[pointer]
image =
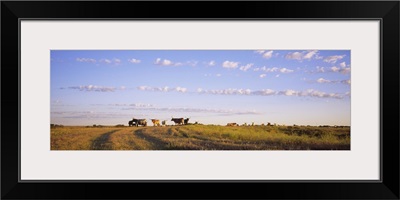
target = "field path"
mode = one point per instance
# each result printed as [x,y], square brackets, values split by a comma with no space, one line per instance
[103,142]
[126,139]
[156,143]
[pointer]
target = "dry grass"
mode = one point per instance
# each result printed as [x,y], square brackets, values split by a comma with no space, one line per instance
[200,137]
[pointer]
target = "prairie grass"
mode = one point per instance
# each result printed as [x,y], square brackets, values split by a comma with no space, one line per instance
[201,137]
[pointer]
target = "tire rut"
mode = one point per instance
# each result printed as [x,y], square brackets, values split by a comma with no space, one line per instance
[157,144]
[103,142]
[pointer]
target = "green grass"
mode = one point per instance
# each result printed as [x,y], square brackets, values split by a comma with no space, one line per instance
[201,137]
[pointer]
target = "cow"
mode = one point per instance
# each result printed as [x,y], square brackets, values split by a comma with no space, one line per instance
[164,123]
[137,122]
[156,122]
[232,124]
[178,121]
[185,121]
[131,123]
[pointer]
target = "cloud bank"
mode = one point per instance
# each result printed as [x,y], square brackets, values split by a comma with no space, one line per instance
[304,55]
[93,88]
[162,89]
[270,92]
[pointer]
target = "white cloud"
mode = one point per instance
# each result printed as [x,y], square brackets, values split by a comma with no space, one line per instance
[117,61]
[89,60]
[262,75]
[134,61]
[230,64]
[138,105]
[195,110]
[315,93]
[310,54]
[192,63]
[284,70]
[322,80]
[343,64]
[218,75]
[162,89]
[348,82]
[148,88]
[277,76]
[166,62]
[335,69]
[290,92]
[333,59]
[318,57]
[180,89]
[93,88]
[211,63]
[178,64]
[304,55]
[345,70]
[88,114]
[106,61]
[320,69]
[229,91]
[274,69]
[265,54]
[294,56]
[246,67]
[259,51]
[163,62]
[268,54]
[264,92]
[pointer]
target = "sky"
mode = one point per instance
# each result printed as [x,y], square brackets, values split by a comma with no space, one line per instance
[110,87]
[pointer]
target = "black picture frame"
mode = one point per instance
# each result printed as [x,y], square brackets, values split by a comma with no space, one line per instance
[386,11]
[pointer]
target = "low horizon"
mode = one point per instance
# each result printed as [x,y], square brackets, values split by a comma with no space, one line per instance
[151,124]
[286,87]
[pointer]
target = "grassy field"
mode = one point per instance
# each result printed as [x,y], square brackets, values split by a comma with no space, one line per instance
[200,137]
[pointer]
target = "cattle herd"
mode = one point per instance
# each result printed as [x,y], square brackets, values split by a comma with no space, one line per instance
[178,121]
[185,121]
[156,122]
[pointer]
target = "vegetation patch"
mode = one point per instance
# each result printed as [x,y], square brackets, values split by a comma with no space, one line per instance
[201,137]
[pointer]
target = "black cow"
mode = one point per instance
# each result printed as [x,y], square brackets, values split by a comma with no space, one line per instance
[185,121]
[137,122]
[178,121]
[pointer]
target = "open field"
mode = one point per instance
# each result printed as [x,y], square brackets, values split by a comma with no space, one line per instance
[200,137]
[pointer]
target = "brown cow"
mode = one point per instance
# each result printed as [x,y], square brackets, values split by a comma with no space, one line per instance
[232,124]
[156,122]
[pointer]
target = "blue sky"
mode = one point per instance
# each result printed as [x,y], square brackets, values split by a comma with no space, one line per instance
[109,87]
